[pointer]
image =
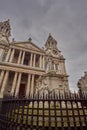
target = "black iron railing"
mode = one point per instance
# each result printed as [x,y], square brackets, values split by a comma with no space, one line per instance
[49,112]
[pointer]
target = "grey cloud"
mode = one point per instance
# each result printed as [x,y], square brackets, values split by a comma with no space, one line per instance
[65,19]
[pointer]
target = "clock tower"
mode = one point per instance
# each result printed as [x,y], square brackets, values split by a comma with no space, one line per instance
[51,43]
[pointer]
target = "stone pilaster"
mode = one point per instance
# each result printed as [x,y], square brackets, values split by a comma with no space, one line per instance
[54,67]
[64,67]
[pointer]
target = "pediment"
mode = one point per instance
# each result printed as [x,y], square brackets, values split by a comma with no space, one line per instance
[28,45]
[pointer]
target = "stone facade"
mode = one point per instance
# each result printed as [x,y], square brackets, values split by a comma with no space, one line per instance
[26,69]
[82,83]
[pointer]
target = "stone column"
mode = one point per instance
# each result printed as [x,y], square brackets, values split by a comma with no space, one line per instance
[32,86]
[1,53]
[18,84]
[8,55]
[40,61]
[23,57]
[28,86]
[14,84]
[31,59]
[19,58]
[59,68]
[4,82]
[12,55]
[64,67]
[43,63]
[34,60]
[2,76]
[55,67]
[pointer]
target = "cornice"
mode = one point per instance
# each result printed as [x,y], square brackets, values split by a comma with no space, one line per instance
[20,68]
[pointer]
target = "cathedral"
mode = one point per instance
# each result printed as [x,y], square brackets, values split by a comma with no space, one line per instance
[26,69]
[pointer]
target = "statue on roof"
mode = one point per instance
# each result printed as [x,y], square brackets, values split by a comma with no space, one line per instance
[4,32]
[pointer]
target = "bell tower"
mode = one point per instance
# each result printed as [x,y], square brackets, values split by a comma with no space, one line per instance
[55,78]
[51,43]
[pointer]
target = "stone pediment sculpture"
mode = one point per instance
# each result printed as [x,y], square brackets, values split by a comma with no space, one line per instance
[48,84]
[4,32]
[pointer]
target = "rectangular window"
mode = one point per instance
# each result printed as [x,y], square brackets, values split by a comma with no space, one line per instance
[25,62]
[16,54]
[26,58]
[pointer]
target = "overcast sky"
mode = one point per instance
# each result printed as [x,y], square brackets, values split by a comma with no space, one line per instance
[66,20]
